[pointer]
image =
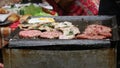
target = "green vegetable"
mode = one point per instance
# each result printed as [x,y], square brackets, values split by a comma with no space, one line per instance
[70,33]
[21,12]
[31,9]
[34,11]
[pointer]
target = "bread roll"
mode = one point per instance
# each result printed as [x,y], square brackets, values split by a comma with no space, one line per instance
[3,11]
[13,17]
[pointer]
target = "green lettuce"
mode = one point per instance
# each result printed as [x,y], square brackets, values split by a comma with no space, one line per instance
[35,11]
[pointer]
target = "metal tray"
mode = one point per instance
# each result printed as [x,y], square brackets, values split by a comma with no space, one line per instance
[81,22]
[5,23]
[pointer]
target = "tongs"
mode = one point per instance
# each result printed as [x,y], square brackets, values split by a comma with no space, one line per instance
[12,34]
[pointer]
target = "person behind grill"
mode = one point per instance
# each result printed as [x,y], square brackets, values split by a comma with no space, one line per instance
[71,7]
[75,7]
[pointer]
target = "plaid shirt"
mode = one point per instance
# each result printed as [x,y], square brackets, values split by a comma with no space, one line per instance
[79,7]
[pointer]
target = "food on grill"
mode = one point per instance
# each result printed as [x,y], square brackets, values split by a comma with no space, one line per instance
[61,30]
[40,20]
[85,36]
[68,29]
[50,34]
[63,24]
[48,28]
[95,31]
[69,33]
[3,11]
[28,26]
[29,33]
[37,33]
[38,23]
[24,18]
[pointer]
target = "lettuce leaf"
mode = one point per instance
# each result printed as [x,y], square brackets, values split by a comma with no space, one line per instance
[35,11]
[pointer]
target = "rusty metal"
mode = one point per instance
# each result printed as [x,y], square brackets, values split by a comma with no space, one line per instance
[27,58]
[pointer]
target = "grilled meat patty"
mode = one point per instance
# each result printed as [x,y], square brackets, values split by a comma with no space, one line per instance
[95,31]
[29,33]
[37,33]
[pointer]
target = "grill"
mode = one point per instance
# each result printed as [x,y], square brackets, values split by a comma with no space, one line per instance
[55,53]
[81,22]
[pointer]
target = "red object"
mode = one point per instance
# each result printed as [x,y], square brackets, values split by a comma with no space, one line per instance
[52,12]
[14,25]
